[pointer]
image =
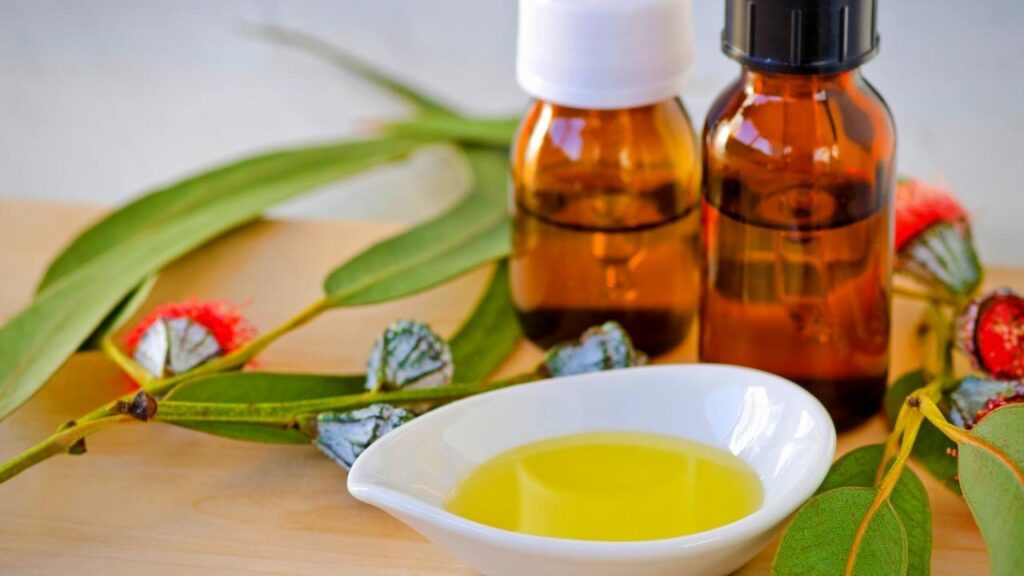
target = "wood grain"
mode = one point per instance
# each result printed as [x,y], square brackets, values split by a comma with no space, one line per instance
[155,500]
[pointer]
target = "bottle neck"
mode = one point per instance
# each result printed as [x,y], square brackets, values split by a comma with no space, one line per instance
[798,85]
[605,112]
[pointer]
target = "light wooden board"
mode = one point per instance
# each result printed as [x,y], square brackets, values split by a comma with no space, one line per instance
[156,500]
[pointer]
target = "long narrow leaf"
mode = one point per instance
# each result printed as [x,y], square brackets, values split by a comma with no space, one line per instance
[495,132]
[346,61]
[156,209]
[35,342]
[491,333]
[247,387]
[121,313]
[471,234]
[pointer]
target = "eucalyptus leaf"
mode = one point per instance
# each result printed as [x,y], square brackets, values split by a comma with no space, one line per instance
[490,334]
[349,63]
[119,253]
[819,541]
[122,313]
[993,483]
[492,132]
[155,210]
[473,233]
[932,449]
[909,500]
[250,387]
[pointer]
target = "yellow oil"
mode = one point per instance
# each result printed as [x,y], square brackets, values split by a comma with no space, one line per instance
[613,486]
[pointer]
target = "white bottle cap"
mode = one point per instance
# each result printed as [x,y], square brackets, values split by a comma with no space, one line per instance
[604,54]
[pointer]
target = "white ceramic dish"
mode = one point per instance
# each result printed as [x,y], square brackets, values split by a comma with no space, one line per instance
[771,423]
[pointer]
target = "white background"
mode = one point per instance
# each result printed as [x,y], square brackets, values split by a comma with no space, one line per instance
[100,100]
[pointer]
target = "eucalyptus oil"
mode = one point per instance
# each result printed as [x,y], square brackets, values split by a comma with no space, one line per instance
[611,486]
[605,173]
[799,169]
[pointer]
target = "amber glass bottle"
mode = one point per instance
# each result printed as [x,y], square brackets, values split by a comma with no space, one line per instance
[798,177]
[606,173]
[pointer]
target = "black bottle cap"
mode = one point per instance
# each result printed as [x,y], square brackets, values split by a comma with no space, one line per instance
[800,36]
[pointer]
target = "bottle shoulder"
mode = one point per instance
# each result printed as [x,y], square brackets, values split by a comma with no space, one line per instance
[829,124]
[634,138]
[567,163]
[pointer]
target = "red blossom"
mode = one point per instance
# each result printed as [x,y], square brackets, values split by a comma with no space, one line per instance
[992,334]
[220,317]
[919,206]
[997,402]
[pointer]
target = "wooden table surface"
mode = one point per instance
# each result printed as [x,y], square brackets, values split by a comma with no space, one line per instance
[152,499]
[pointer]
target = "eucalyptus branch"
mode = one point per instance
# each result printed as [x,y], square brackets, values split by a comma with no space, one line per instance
[885,487]
[59,443]
[249,350]
[111,413]
[927,296]
[230,361]
[289,414]
[286,414]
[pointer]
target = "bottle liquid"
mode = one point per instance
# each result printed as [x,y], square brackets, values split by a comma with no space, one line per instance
[605,172]
[798,180]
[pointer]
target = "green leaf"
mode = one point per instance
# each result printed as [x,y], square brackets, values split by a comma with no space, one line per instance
[249,387]
[473,233]
[119,253]
[151,212]
[490,334]
[909,500]
[993,483]
[492,132]
[346,61]
[122,313]
[821,536]
[932,448]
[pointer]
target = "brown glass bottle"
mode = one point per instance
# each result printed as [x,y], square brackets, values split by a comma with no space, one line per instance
[798,176]
[606,222]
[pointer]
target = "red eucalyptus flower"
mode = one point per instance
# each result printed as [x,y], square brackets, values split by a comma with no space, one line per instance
[998,402]
[992,334]
[933,238]
[177,337]
[974,398]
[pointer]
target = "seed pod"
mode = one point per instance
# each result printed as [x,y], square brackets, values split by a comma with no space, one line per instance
[343,436]
[976,397]
[177,337]
[174,346]
[603,347]
[409,355]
